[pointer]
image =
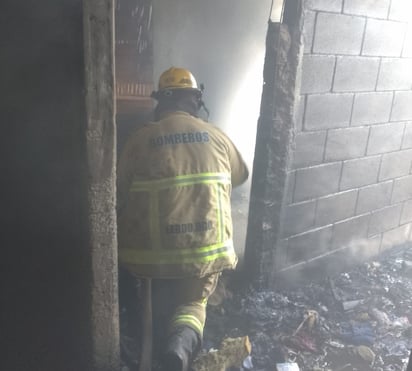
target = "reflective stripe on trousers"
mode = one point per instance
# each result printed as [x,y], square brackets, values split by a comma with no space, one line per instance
[192,315]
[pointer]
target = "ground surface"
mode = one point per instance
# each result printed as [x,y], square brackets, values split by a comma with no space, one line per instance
[357,320]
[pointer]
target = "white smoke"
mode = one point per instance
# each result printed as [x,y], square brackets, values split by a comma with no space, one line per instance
[223,44]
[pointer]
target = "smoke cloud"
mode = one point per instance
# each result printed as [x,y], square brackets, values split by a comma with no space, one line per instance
[223,44]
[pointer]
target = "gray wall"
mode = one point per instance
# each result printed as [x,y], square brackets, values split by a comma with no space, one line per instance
[350,180]
[58,265]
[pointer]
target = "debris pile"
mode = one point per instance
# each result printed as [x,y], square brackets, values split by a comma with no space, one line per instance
[357,321]
[232,353]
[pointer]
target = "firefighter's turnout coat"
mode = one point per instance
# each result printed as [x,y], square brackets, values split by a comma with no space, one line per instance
[175,178]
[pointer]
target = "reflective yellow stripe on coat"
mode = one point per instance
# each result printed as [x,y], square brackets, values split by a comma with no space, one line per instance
[178,256]
[198,261]
[181,180]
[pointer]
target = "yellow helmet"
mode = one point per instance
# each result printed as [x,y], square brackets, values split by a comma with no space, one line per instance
[177,78]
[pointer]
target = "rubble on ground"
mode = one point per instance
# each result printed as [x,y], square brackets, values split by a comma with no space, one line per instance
[359,320]
[231,353]
[356,321]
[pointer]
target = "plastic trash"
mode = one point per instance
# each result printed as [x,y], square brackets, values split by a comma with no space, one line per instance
[358,333]
[287,366]
[380,316]
[247,363]
[351,304]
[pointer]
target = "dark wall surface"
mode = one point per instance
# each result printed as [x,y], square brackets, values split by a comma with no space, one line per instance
[46,278]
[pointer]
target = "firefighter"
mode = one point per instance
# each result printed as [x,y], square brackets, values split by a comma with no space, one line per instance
[175,177]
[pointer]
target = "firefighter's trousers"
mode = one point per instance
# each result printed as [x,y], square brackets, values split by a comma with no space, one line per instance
[181,302]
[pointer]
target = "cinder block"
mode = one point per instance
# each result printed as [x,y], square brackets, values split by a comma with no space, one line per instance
[400,10]
[371,108]
[407,44]
[407,136]
[310,147]
[356,74]
[402,106]
[383,38]
[369,8]
[308,30]
[317,181]
[336,207]
[328,111]
[325,5]
[385,138]
[374,197]
[395,74]
[347,143]
[384,219]
[396,237]
[402,189]
[298,218]
[360,172]
[350,231]
[406,215]
[317,74]
[395,164]
[338,34]
[309,245]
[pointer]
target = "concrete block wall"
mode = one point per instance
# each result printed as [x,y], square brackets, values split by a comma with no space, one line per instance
[350,178]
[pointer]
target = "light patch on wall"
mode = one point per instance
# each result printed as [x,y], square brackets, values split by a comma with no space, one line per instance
[401,10]
[406,69]
[408,11]
[276,13]
[241,119]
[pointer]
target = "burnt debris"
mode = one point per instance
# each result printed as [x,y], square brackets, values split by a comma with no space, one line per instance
[357,320]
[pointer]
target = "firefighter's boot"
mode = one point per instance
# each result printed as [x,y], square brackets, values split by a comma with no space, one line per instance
[181,348]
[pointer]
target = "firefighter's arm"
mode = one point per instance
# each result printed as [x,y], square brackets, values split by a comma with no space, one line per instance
[239,169]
